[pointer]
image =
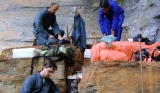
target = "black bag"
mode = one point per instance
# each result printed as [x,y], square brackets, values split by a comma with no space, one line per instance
[64,41]
[52,41]
[145,54]
[153,57]
[146,40]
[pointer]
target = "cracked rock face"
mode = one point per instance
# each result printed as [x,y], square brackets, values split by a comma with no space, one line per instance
[119,77]
[141,17]
[13,71]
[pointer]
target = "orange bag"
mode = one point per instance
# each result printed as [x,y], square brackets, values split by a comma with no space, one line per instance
[127,47]
[95,50]
[112,55]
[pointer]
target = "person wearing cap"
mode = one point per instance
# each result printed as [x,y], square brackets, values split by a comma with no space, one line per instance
[40,82]
[45,19]
[111,17]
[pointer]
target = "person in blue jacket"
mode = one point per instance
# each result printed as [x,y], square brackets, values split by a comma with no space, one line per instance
[40,82]
[45,19]
[111,17]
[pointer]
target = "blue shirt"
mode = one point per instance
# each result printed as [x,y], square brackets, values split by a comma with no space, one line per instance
[112,15]
[79,32]
[43,21]
[35,84]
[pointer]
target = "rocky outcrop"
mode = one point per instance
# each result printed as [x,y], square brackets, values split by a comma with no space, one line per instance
[13,71]
[119,77]
[16,17]
[98,77]
[141,17]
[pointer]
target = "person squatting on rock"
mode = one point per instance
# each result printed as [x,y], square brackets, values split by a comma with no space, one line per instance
[45,19]
[111,17]
[40,82]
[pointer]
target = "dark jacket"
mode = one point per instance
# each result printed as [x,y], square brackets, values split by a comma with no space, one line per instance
[43,21]
[79,33]
[34,84]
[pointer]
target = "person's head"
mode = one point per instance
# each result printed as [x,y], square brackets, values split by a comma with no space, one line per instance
[104,4]
[53,7]
[48,68]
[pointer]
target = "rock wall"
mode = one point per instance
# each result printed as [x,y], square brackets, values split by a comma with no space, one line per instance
[16,19]
[99,77]
[119,77]
[142,17]
[14,71]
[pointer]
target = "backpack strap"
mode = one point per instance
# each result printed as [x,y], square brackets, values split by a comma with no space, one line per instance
[145,53]
[131,55]
[32,63]
[57,49]
[152,55]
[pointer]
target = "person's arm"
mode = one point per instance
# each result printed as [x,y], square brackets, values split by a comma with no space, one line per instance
[38,24]
[28,85]
[55,28]
[101,20]
[116,10]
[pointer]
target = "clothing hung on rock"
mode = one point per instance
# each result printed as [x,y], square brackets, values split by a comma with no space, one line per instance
[79,33]
[112,20]
[42,22]
[35,84]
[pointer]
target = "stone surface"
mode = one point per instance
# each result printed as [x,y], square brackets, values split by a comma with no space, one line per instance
[14,71]
[119,77]
[16,20]
[99,77]
[141,16]
[13,74]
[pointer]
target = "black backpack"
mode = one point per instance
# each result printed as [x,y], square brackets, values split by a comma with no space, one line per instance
[153,57]
[145,54]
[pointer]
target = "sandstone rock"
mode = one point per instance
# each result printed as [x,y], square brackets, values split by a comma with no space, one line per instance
[119,77]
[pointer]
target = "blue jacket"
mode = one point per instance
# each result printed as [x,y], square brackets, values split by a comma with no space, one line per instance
[79,32]
[112,15]
[43,21]
[34,84]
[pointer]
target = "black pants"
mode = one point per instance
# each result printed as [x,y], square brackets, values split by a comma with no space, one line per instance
[56,36]
[41,39]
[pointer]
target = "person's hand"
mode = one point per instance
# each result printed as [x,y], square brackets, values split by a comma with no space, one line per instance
[51,36]
[60,37]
